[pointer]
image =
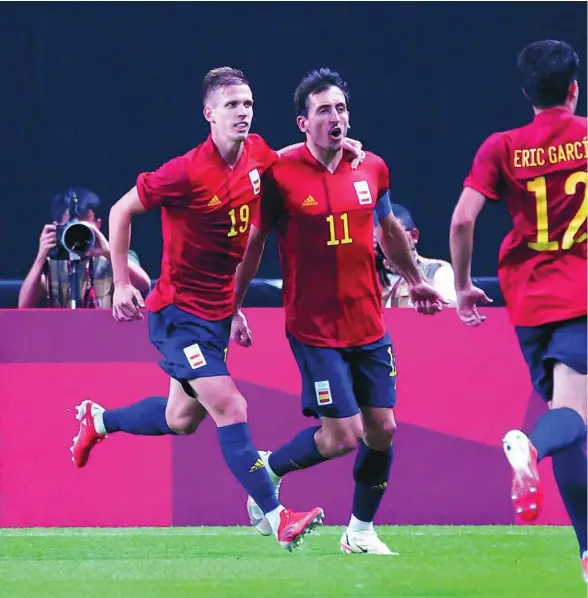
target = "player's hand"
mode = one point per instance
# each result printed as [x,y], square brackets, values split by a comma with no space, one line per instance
[426,299]
[468,300]
[47,240]
[355,147]
[240,332]
[126,304]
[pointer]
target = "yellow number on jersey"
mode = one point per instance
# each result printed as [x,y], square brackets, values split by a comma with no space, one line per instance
[240,221]
[538,187]
[333,233]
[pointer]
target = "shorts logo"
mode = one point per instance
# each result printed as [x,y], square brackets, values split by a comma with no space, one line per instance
[255,181]
[194,356]
[323,393]
[362,190]
[256,466]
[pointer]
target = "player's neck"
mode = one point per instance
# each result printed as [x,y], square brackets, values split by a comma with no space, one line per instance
[230,151]
[562,107]
[330,160]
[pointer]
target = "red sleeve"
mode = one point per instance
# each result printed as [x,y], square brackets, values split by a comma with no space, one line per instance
[169,184]
[484,175]
[271,158]
[271,202]
[383,179]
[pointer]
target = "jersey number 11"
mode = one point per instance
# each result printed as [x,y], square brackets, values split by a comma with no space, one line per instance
[333,240]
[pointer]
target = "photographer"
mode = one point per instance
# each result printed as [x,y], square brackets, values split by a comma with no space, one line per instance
[81,254]
[438,273]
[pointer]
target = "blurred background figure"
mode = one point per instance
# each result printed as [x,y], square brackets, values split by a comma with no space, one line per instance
[74,253]
[439,273]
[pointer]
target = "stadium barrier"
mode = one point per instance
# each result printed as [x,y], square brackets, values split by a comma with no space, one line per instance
[459,390]
[262,292]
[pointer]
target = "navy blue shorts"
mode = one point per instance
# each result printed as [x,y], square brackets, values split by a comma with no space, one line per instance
[338,382]
[545,345]
[192,347]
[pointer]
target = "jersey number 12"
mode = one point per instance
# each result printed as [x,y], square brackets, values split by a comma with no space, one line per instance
[538,187]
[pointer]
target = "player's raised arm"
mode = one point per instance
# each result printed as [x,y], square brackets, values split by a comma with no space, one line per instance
[394,244]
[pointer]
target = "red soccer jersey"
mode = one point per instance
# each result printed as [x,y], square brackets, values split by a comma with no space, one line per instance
[325,227]
[207,209]
[540,170]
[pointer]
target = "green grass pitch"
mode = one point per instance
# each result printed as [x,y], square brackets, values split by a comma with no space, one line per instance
[208,562]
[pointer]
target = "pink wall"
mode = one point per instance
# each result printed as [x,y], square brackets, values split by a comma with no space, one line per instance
[459,390]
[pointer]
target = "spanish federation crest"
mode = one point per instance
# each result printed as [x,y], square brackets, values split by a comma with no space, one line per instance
[255,181]
[362,190]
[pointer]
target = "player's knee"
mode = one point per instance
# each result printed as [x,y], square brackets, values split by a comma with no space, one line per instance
[381,438]
[229,410]
[342,440]
[569,390]
[181,424]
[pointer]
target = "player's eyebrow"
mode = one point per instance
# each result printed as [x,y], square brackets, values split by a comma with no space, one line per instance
[328,105]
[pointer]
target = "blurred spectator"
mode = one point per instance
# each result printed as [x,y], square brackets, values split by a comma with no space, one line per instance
[48,282]
[439,273]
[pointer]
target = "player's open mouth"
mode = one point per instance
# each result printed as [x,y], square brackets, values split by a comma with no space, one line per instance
[242,126]
[336,133]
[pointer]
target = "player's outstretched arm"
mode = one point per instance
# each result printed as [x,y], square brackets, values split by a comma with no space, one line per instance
[461,241]
[127,299]
[392,240]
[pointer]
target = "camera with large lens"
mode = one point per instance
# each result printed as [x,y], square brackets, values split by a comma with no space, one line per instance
[75,238]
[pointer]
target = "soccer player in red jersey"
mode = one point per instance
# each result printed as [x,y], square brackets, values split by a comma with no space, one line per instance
[323,212]
[540,171]
[208,198]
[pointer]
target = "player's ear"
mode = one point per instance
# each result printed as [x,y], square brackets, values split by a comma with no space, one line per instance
[302,123]
[574,91]
[208,114]
[98,223]
[415,233]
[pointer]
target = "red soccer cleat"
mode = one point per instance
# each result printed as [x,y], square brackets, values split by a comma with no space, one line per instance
[294,526]
[527,494]
[87,437]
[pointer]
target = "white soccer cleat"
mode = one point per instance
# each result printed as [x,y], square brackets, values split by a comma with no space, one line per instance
[526,489]
[257,517]
[364,542]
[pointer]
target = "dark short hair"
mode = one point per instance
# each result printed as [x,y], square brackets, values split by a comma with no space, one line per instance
[87,200]
[547,69]
[315,82]
[404,216]
[220,78]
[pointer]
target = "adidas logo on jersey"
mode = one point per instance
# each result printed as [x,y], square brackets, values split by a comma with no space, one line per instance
[215,201]
[309,201]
